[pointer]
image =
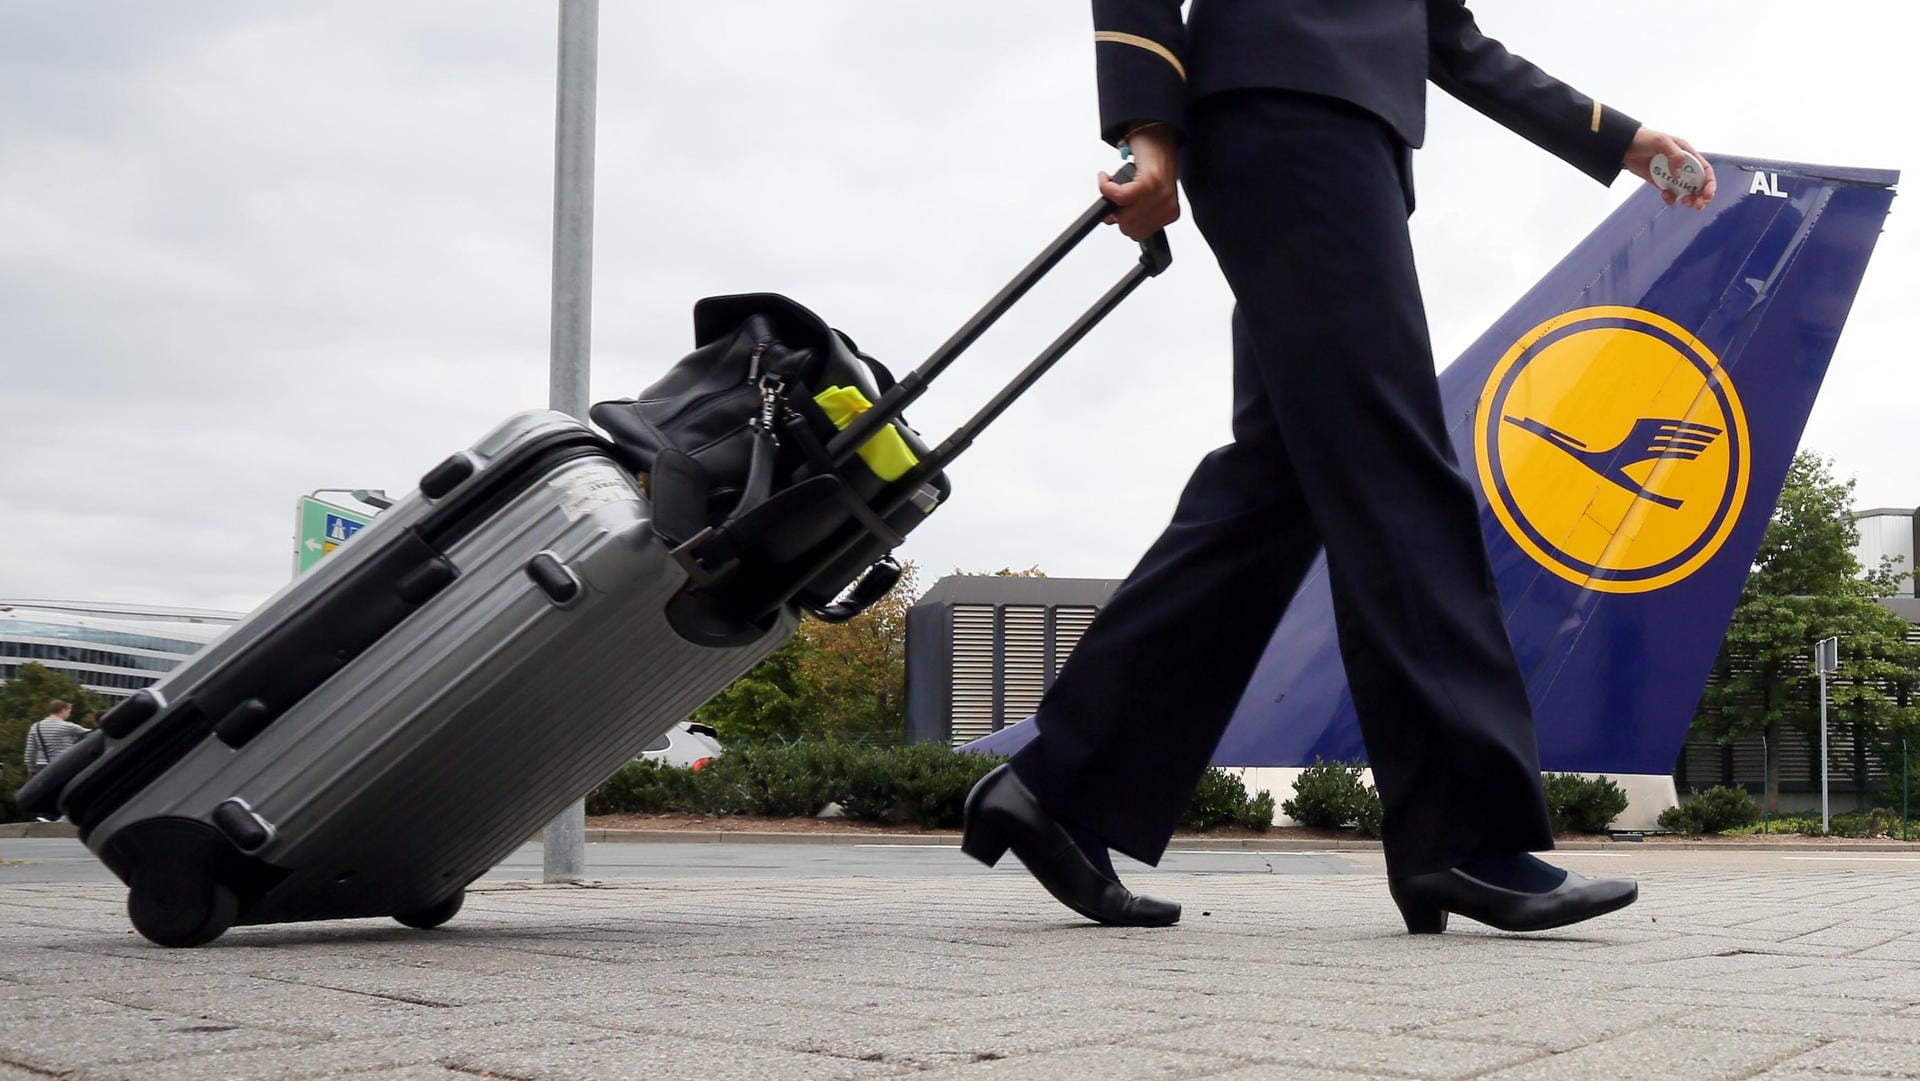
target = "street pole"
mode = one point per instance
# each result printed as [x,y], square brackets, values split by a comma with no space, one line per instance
[564,842]
[1766,771]
[1826,660]
[1824,820]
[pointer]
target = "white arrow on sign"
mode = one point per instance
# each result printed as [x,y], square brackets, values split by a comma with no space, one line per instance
[313,545]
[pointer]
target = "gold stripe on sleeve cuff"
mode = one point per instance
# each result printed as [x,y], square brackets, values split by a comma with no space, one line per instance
[1596,116]
[1154,47]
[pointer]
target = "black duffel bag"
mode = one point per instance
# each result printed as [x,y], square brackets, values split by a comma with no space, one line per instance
[731,444]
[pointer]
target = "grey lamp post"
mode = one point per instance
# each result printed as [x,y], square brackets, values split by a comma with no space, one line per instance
[564,842]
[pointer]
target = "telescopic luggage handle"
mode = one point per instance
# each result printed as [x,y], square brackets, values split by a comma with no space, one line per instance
[1155,256]
[703,568]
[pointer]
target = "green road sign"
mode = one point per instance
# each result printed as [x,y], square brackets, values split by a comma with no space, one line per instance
[322,528]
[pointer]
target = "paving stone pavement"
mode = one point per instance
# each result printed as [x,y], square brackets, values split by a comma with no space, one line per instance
[1715,974]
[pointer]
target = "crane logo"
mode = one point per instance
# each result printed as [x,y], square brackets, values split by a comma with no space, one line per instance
[1612,447]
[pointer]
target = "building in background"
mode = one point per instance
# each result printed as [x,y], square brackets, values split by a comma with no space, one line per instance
[982,649]
[111,649]
[1891,532]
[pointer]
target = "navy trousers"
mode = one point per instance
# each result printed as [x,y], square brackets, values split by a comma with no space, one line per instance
[1338,442]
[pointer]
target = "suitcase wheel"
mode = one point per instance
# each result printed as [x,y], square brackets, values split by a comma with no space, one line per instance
[426,919]
[180,908]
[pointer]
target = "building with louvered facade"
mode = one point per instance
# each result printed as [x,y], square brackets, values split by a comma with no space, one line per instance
[111,649]
[982,650]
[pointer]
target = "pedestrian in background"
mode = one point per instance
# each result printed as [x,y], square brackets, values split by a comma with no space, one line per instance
[51,735]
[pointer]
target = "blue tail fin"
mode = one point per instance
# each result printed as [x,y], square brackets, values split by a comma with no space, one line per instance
[1628,424]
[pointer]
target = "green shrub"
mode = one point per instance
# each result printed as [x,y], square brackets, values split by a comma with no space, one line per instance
[1330,795]
[1879,822]
[1583,804]
[1371,813]
[1221,800]
[781,781]
[924,784]
[1716,810]
[1258,815]
[647,787]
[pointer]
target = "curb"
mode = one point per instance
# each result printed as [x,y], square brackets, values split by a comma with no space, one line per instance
[38,829]
[10,830]
[1251,844]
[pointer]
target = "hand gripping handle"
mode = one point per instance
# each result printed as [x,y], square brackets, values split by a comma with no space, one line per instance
[1155,256]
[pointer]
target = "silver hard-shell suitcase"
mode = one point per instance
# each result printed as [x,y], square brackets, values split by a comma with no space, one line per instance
[537,662]
[385,729]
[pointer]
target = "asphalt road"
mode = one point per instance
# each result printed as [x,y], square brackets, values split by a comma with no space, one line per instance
[44,860]
[38,860]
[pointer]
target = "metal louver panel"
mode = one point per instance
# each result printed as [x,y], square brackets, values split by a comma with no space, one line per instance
[972,672]
[1024,670]
[1749,760]
[1068,625]
[1797,760]
[1705,762]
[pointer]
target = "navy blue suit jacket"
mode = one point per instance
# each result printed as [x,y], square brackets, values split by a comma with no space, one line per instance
[1376,54]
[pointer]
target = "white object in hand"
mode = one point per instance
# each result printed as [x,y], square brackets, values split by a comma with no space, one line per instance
[1684,177]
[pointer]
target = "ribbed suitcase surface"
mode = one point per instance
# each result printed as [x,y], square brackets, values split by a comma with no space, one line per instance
[447,743]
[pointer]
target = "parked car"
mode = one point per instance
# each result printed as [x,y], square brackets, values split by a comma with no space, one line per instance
[685,744]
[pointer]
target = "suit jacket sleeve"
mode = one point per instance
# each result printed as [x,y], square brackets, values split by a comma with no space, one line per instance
[1554,116]
[1140,51]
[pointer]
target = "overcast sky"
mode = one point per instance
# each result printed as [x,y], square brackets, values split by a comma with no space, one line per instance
[253,248]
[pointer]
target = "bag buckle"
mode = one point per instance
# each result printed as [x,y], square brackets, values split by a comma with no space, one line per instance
[699,572]
[771,389]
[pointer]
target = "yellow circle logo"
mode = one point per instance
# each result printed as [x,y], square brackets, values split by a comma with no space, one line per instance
[1613,449]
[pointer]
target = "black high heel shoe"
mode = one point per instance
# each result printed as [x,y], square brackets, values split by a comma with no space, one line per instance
[1001,815]
[1514,893]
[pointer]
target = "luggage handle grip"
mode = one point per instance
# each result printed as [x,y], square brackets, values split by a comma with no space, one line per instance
[875,583]
[1155,256]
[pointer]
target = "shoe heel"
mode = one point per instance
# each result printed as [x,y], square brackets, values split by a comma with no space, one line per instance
[983,845]
[1422,917]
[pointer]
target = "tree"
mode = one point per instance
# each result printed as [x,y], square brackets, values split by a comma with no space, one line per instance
[857,671]
[23,700]
[1806,585]
[768,703]
[831,680]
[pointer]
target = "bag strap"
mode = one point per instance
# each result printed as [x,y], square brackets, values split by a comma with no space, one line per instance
[822,465]
[680,484]
[766,441]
